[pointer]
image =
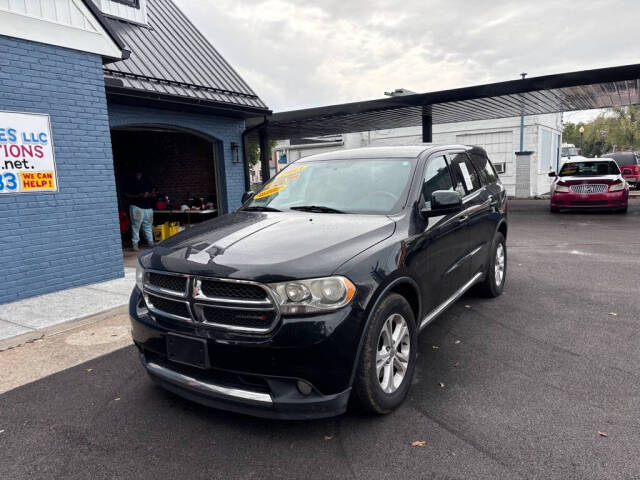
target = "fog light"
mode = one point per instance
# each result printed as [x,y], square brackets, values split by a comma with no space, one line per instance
[304,388]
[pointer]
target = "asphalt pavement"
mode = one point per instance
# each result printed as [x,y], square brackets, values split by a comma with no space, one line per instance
[541,383]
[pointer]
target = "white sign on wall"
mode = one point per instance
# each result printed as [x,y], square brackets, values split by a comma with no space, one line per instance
[27,162]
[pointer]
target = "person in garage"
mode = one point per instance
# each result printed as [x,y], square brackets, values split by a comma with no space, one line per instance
[141,195]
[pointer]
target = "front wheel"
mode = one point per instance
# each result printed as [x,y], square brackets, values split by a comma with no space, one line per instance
[387,361]
[496,274]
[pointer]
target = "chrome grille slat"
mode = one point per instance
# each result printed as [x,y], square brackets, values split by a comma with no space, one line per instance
[587,188]
[188,290]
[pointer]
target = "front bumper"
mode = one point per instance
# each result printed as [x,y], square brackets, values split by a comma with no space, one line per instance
[606,200]
[258,375]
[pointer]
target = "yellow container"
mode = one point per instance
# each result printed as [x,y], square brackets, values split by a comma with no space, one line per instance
[162,232]
[157,234]
[174,227]
[166,230]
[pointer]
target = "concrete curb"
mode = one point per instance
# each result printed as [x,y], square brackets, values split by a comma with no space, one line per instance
[18,340]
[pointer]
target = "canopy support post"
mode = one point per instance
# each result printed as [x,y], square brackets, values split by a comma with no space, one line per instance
[427,125]
[265,169]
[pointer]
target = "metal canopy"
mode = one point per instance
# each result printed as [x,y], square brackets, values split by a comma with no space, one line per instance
[605,87]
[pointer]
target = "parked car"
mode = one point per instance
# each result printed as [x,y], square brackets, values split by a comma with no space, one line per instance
[629,163]
[588,184]
[315,290]
[568,151]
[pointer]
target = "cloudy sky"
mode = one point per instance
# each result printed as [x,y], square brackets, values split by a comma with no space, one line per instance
[297,53]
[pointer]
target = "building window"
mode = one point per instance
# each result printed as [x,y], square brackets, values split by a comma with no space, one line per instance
[129,3]
[500,167]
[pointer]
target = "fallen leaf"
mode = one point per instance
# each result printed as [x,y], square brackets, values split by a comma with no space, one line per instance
[602,434]
[419,443]
[1,431]
[441,384]
[89,369]
[116,399]
[457,364]
[457,342]
[328,437]
[467,306]
[435,347]
[613,314]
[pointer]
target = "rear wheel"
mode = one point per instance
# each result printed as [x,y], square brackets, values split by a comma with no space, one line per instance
[496,274]
[387,361]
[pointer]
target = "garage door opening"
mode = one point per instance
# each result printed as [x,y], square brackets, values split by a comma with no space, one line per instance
[180,165]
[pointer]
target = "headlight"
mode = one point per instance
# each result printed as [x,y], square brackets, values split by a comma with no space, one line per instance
[561,188]
[616,187]
[313,295]
[139,276]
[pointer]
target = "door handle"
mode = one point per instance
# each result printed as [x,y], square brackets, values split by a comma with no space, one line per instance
[492,201]
[463,218]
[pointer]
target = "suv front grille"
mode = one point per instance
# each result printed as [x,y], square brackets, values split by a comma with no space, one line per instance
[217,288]
[254,319]
[242,306]
[174,308]
[589,188]
[173,283]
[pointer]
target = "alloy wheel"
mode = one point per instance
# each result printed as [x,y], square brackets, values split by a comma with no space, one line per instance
[499,265]
[392,356]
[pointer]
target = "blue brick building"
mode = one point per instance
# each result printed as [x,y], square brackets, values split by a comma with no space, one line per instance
[124,86]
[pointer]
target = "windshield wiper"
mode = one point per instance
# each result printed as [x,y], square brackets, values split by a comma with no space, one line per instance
[317,209]
[261,208]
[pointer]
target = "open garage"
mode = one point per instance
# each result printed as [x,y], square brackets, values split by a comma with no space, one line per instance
[180,165]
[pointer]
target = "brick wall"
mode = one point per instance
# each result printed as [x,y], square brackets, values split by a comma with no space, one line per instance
[55,241]
[223,130]
[177,164]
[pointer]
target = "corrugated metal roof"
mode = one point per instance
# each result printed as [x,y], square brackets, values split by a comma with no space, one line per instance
[606,87]
[169,56]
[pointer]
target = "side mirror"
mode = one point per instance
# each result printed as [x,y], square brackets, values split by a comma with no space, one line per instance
[443,202]
[246,196]
[553,174]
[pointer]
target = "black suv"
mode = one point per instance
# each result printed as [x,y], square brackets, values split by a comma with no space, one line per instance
[315,290]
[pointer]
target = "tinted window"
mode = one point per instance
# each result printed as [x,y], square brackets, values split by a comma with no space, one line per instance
[465,175]
[623,158]
[589,169]
[487,174]
[436,177]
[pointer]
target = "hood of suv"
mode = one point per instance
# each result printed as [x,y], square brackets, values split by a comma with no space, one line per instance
[269,247]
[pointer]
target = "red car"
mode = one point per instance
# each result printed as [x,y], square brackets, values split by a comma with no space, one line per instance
[588,184]
[629,163]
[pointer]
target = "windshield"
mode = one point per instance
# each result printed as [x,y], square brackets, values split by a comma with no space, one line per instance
[570,152]
[376,186]
[589,169]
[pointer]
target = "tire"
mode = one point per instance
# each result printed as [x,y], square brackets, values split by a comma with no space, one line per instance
[368,389]
[490,286]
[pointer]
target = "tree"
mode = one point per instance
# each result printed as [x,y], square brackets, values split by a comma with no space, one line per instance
[253,152]
[616,129]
